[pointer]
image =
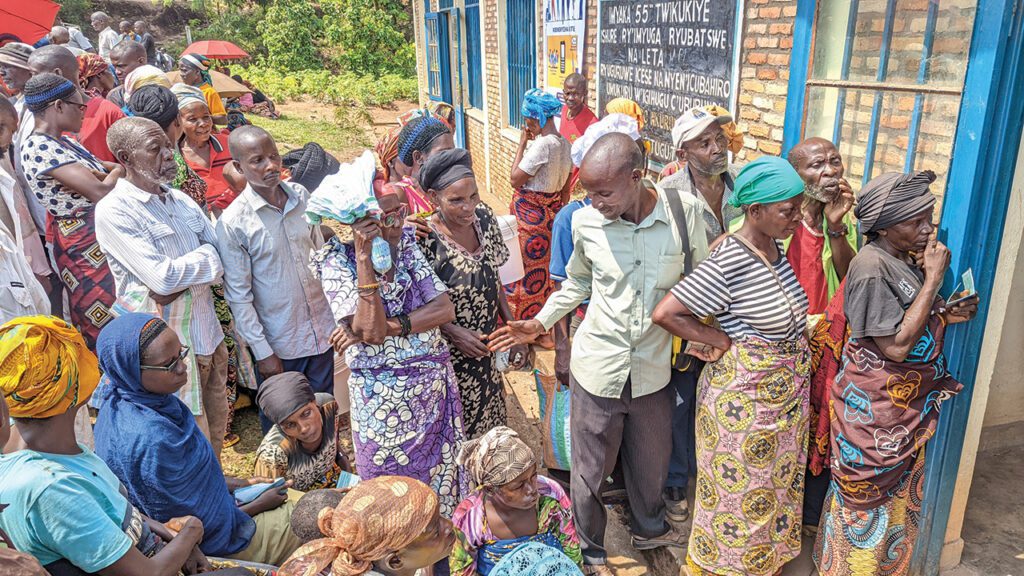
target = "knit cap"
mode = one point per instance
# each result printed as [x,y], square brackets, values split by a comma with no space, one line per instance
[43,89]
[417,135]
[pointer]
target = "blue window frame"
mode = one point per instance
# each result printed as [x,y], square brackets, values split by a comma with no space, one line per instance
[439,86]
[521,35]
[474,56]
[883,81]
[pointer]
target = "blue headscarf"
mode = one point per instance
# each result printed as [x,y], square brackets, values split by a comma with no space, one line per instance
[766,180]
[152,444]
[540,105]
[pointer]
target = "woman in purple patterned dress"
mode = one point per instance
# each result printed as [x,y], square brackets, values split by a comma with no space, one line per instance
[406,412]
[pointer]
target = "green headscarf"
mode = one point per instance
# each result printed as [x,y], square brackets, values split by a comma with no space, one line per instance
[764,181]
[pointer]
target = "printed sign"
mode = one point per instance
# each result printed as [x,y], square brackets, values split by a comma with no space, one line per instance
[564,32]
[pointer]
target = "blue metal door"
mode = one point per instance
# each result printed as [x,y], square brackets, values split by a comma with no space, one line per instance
[439,71]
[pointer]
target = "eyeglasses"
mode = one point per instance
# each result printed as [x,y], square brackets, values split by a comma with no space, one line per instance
[81,106]
[396,217]
[172,365]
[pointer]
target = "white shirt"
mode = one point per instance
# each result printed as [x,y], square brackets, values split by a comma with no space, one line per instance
[164,245]
[108,39]
[279,305]
[78,39]
[20,293]
[27,125]
[17,204]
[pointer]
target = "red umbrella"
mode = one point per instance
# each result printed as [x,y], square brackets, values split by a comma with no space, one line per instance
[28,20]
[216,49]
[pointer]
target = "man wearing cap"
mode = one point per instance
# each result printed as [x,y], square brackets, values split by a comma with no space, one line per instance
[703,148]
[266,243]
[108,36]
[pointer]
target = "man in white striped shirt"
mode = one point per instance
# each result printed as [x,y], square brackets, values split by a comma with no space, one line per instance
[162,251]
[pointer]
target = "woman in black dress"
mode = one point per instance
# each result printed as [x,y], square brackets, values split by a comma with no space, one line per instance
[465,249]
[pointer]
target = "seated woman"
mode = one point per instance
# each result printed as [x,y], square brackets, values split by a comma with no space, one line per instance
[405,408]
[63,504]
[206,152]
[150,440]
[195,71]
[512,505]
[390,525]
[256,102]
[302,446]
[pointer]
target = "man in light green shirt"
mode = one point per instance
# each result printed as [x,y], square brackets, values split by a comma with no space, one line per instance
[627,254]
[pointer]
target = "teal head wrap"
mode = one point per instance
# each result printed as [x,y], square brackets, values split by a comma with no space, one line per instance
[540,105]
[766,180]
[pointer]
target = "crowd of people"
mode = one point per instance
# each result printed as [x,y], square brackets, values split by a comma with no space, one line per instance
[757,329]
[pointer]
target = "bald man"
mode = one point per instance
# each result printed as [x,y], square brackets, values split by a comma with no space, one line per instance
[627,255]
[126,57]
[821,250]
[61,36]
[108,36]
[160,244]
[576,115]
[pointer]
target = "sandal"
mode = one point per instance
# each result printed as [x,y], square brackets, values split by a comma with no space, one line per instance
[231,439]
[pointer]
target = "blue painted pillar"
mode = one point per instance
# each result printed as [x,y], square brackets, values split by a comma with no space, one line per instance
[984,156]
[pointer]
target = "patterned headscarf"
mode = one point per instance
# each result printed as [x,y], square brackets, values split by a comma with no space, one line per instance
[893,198]
[766,180]
[387,150]
[90,65]
[45,367]
[540,105]
[144,76]
[443,111]
[627,107]
[376,517]
[200,63]
[496,458]
[187,95]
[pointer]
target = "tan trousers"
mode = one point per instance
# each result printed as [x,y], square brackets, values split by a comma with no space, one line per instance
[274,540]
[213,381]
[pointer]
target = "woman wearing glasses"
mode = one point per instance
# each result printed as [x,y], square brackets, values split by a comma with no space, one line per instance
[150,441]
[405,407]
[68,181]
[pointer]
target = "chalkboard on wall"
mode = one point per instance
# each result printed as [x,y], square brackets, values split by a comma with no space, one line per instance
[668,56]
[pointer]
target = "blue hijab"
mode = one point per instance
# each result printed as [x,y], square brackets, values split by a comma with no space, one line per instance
[152,444]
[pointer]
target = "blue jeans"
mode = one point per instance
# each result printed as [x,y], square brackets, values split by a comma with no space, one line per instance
[319,370]
[683,463]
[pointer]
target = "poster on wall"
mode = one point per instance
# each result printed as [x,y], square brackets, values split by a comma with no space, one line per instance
[668,56]
[564,31]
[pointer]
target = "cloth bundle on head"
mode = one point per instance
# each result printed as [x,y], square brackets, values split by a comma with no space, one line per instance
[615,122]
[44,89]
[446,168]
[766,180]
[893,198]
[376,517]
[535,559]
[90,65]
[169,470]
[627,107]
[387,150]
[496,458]
[443,111]
[45,367]
[16,54]
[156,103]
[144,76]
[281,395]
[730,129]
[187,95]
[417,135]
[201,63]
[540,105]
[347,196]
[310,164]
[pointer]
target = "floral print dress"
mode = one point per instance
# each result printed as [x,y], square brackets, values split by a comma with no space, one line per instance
[473,286]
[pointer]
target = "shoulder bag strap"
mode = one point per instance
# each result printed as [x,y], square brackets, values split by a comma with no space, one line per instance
[675,205]
[756,252]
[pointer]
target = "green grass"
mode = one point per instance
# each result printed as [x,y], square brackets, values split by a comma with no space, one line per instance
[291,132]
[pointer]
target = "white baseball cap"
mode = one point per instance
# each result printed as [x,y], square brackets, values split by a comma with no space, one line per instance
[693,123]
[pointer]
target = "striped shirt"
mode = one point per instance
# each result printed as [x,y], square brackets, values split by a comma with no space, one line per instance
[165,246]
[738,289]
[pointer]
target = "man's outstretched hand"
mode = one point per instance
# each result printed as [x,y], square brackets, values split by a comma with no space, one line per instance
[515,332]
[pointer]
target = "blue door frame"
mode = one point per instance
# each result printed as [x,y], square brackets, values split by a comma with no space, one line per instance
[985,150]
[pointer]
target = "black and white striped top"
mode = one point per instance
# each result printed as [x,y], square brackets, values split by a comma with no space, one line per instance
[739,290]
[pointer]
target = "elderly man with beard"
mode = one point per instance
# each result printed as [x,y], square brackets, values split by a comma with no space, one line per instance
[822,248]
[162,252]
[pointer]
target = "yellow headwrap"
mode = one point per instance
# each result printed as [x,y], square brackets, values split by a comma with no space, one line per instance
[45,367]
[731,131]
[627,107]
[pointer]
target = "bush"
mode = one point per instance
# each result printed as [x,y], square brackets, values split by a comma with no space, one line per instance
[287,31]
[371,35]
[234,26]
[331,88]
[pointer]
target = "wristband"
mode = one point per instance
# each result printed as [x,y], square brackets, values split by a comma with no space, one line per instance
[368,287]
[838,234]
[403,319]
